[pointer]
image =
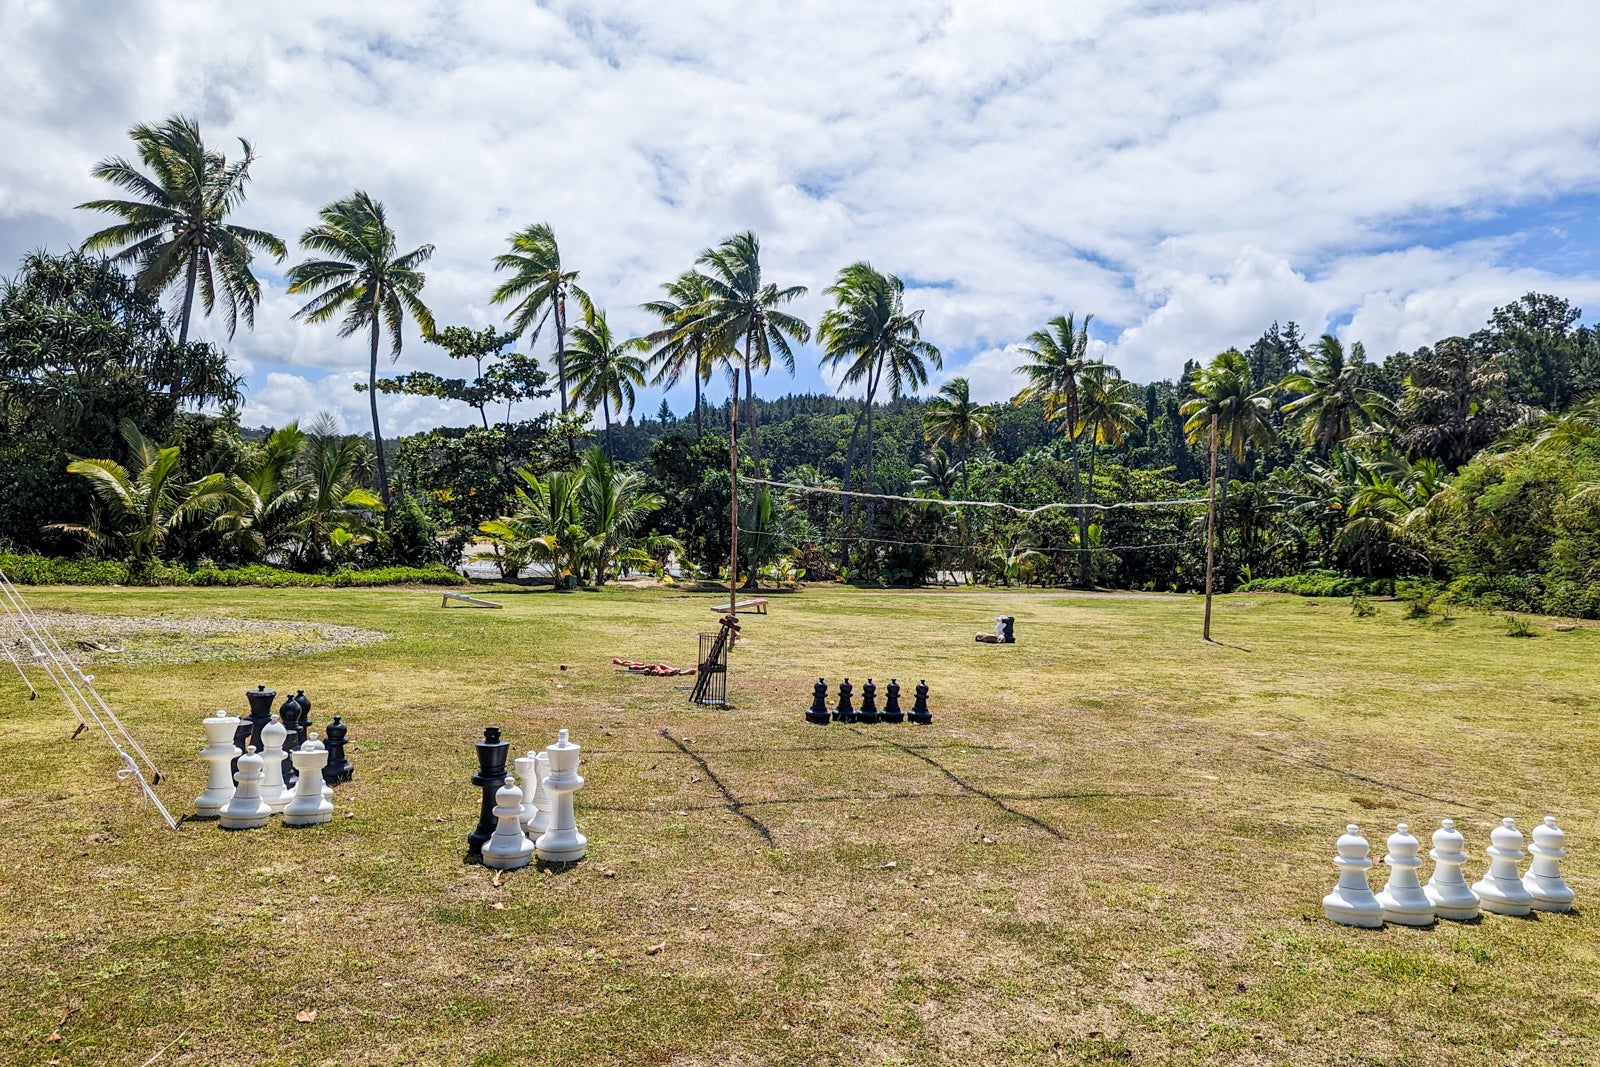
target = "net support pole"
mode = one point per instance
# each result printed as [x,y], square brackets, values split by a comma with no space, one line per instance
[733,493]
[1211,527]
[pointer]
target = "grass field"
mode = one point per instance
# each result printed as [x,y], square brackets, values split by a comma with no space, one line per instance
[1110,846]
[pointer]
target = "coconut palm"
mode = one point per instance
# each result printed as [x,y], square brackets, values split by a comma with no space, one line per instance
[1110,411]
[614,505]
[1334,403]
[335,497]
[1243,415]
[537,290]
[547,525]
[953,418]
[935,476]
[1055,357]
[175,230]
[605,371]
[365,278]
[266,497]
[741,305]
[685,340]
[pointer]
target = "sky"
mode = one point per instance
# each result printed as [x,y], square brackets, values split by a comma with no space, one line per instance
[1187,173]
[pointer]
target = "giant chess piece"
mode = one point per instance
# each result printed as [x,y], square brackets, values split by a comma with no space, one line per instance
[308,806]
[1403,900]
[273,790]
[289,717]
[246,810]
[1351,901]
[846,711]
[528,771]
[339,769]
[818,712]
[1447,891]
[919,707]
[305,713]
[562,843]
[220,753]
[1005,628]
[1543,880]
[541,795]
[248,733]
[891,704]
[869,703]
[491,772]
[508,847]
[1500,890]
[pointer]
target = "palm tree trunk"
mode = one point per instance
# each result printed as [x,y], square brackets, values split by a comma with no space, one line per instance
[699,425]
[605,409]
[175,386]
[750,407]
[377,434]
[849,469]
[561,347]
[872,505]
[1083,518]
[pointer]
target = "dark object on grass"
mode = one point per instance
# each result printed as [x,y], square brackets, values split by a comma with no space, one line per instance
[294,732]
[490,777]
[1005,628]
[818,712]
[248,732]
[846,711]
[711,674]
[869,703]
[339,768]
[891,704]
[919,707]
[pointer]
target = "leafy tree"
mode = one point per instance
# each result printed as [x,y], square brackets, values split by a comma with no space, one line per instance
[537,290]
[1333,403]
[685,341]
[365,278]
[176,227]
[266,499]
[1455,400]
[510,378]
[605,371]
[1541,353]
[335,496]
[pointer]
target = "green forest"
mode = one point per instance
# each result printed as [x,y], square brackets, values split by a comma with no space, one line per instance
[1467,470]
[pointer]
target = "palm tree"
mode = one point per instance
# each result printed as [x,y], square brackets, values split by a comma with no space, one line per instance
[176,228]
[936,475]
[605,371]
[740,304]
[1333,400]
[267,497]
[547,525]
[615,504]
[366,279]
[874,338]
[336,504]
[1056,356]
[538,289]
[1110,411]
[147,503]
[685,339]
[1225,390]
[952,417]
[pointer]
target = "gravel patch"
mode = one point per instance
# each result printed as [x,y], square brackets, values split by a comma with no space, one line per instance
[145,639]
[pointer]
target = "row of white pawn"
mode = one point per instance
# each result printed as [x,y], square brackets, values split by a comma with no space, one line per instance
[1404,900]
[247,798]
[543,821]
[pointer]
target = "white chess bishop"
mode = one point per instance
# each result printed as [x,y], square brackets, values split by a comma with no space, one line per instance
[1352,902]
[562,843]
[1403,899]
[1449,893]
[509,848]
[1500,890]
[246,810]
[308,806]
[219,752]
[1543,881]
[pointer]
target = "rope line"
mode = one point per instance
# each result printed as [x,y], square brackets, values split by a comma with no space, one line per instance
[1019,509]
[966,548]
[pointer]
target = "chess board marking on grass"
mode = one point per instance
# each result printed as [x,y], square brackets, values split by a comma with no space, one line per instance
[733,803]
[1303,761]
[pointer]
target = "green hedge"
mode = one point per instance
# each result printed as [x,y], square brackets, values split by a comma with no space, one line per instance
[1317,583]
[39,570]
[1507,592]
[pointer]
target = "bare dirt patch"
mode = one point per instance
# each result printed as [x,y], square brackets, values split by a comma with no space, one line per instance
[171,639]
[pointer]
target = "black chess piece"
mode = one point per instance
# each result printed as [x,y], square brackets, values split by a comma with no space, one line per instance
[1006,629]
[339,768]
[891,704]
[919,707]
[248,732]
[294,733]
[869,703]
[818,712]
[491,775]
[846,711]
[305,713]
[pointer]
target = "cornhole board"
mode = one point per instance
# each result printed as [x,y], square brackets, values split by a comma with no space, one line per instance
[467,601]
[759,604]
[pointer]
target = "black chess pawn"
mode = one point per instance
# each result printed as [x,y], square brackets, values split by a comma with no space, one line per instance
[891,704]
[846,711]
[869,703]
[818,712]
[919,707]
[490,777]
[305,713]
[248,732]
[289,719]
[339,768]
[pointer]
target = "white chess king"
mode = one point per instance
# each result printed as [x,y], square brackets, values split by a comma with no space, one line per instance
[1403,900]
[509,848]
[1500,890]
[1351,901]
[308,806]
[562,843]
[1543,881]
[1449,893]
[219,752]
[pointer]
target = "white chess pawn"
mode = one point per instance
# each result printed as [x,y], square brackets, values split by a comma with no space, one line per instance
[562,843]
[1449,893]
[541,795]
[246,810]
[527,771]
[1351,901]
[509,848]
[273,791]
[1500,890]
[308,806]
[219,751]
[1402,898]
[1549,890]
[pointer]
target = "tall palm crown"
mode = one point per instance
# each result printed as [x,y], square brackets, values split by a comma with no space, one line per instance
[537,290]
[685,340]
[1226,391]
[364,277]
[740,304]
[1334,402]
[1056,356]
[605,371]
[176,229]
[953,417]
[1108,410]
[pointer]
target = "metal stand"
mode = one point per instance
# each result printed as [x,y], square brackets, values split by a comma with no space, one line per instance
[711,676]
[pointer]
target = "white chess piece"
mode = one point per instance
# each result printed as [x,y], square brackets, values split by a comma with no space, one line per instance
[562,843]
[1351,901]
[527,771]
[1449,893]
[1549,890]
[541,795]
[246,810]
[308,806]
[1402,898]
[219,751]
[509,848]
[1500,890]
[273,791]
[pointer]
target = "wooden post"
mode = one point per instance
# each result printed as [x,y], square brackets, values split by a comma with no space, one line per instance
[733,488]
[1211,526]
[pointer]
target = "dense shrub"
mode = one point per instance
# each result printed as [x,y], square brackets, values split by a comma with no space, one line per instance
[1318,583]
[39,570]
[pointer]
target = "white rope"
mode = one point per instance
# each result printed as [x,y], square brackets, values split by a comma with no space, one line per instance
[972,503]
[33,694]
[73,684]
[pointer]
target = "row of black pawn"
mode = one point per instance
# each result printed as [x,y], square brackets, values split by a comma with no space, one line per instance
[295,716]
[868,712]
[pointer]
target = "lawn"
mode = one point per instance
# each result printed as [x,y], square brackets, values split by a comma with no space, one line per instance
[1110,846]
